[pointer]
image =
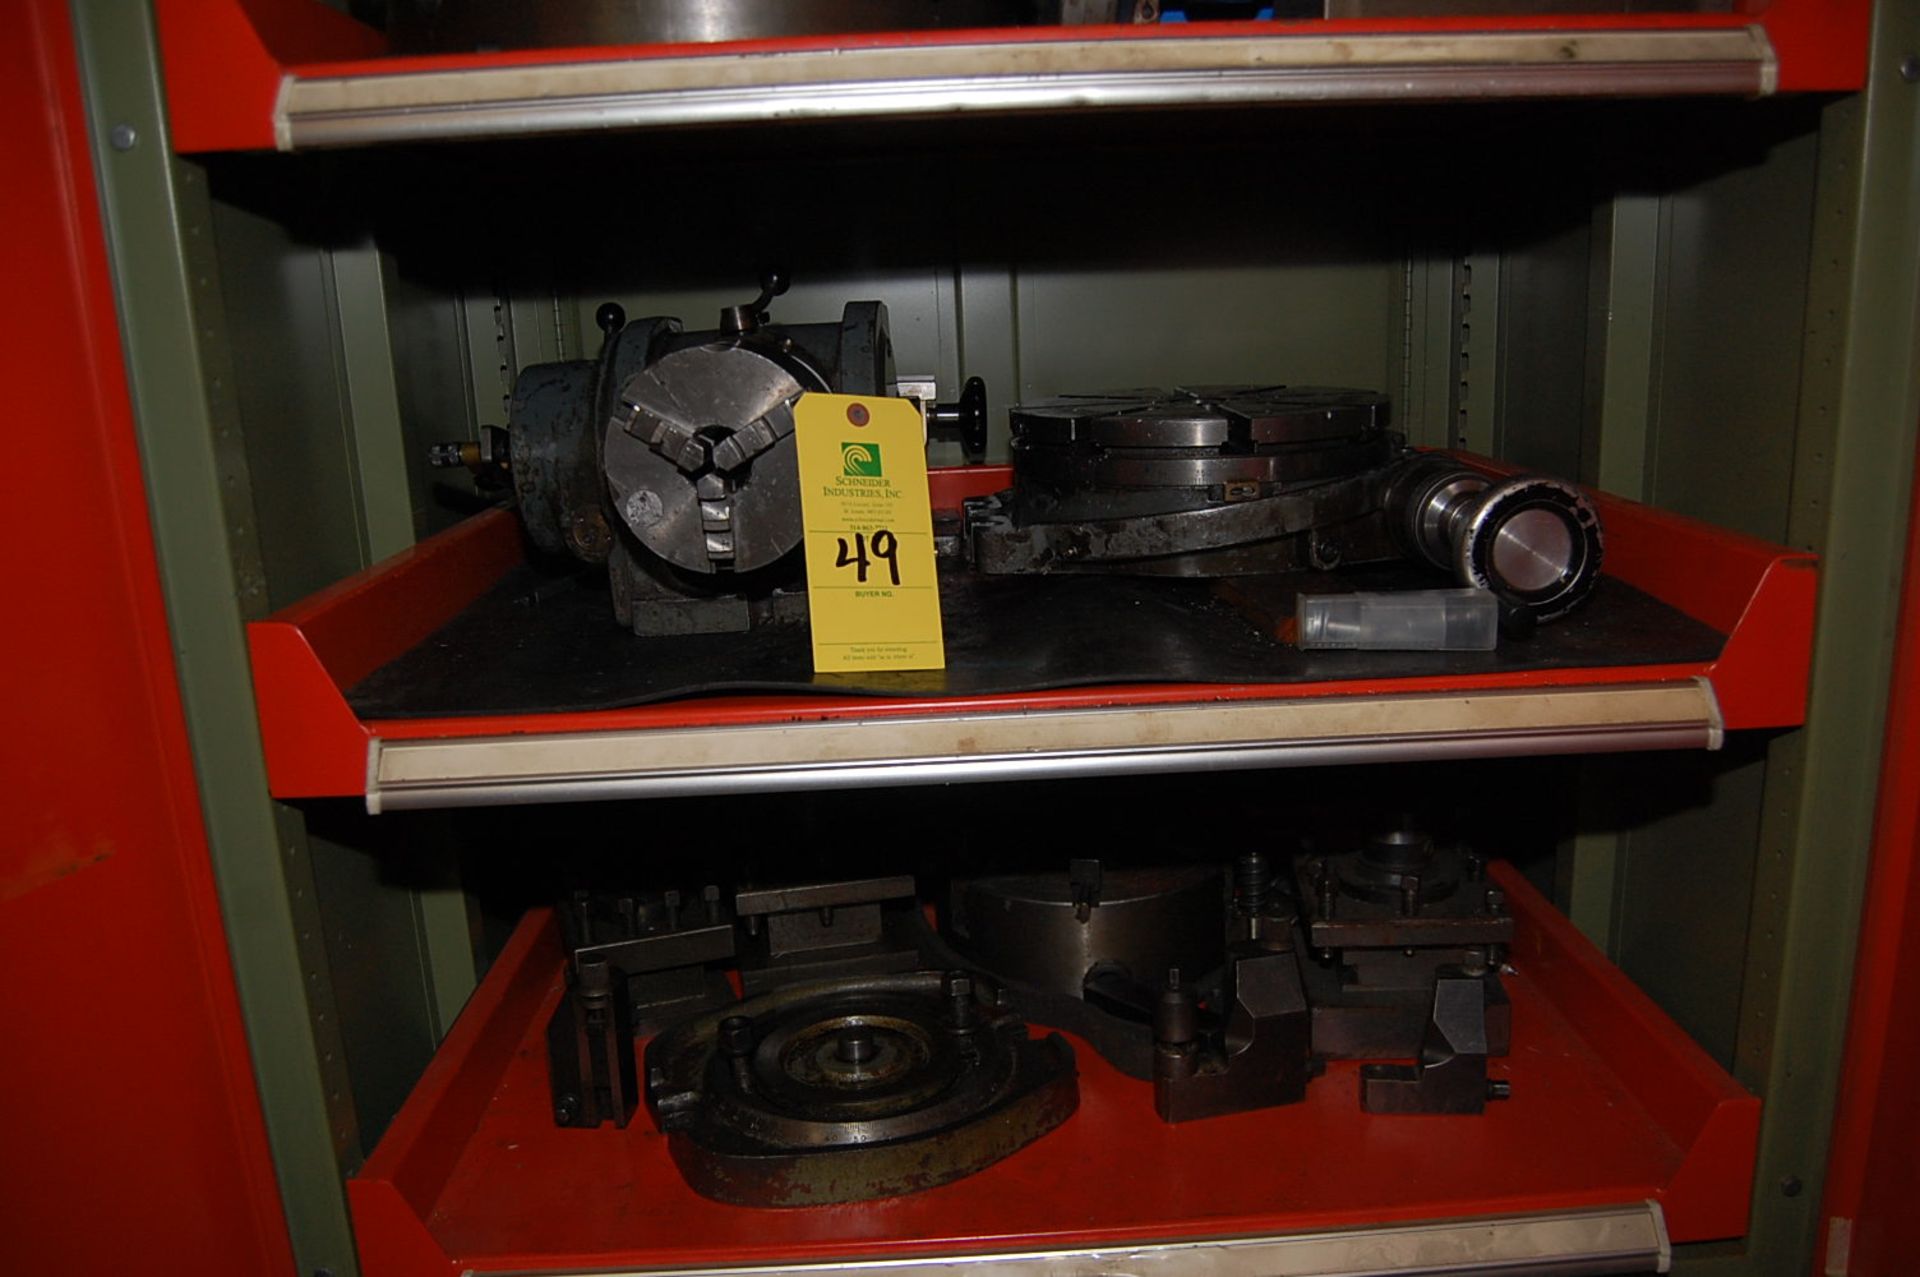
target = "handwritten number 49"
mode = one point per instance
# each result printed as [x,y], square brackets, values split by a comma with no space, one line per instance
[884,547]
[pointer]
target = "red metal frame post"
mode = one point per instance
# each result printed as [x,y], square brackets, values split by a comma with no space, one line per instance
[133,1132]
[1873,1177]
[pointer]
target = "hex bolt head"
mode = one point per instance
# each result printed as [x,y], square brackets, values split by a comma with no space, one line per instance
[958,988]
[1175,1013]
[736,1036]
[1410,896]
[593,977]
[1252,877]
[1498,1088]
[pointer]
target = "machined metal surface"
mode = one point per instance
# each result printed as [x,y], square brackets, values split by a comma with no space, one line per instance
[1214,995]
[639,962]
[1181,542]
[853,1089]
[635,962]
[1244,1042]
[1450,1073]
[1534,541]
[555,478]
[1078,75]
[1192,481]
[1216,481]
[1153,466]
[553,449]
[1199,436]
[1623,1239]
[699,456]
[669,457]
[1402,935]
[828,930]
[1203,416]
[1047,932]
[821,895]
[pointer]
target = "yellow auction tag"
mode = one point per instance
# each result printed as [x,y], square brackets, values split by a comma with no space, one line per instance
[871,590]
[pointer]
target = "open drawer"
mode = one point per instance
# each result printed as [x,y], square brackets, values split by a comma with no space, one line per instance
[295,74]
[1744,609]
[1620,1137]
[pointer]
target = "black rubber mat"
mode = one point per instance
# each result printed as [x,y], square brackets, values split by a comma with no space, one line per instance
[539,643]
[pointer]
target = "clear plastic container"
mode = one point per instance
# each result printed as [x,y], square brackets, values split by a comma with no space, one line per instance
[1403,621]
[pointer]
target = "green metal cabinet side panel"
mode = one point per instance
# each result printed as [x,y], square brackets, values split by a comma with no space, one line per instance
[1249,283]
[277,293]
[1625,286]
[1685,883]
[1623,280]
[1540,403]
[382,458]
[1588,357]
[1858,404]
[141,192]
[433,390]
[1722,379]
[1026,329]
[1564,331]
[1425,366]
[1210,324]
[370,875]
[986,344]
[1475,352]
[376,443]
[1733,306]
[311,348]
